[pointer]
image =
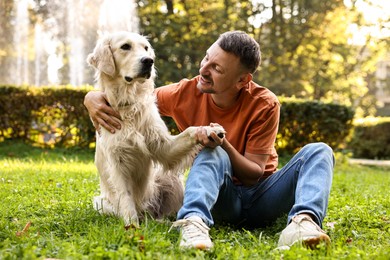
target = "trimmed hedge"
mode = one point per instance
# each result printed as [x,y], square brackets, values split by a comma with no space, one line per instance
[56,116]
[305,121]
[371,138]
[46,115]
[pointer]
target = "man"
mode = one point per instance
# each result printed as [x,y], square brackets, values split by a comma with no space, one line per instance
[234,179]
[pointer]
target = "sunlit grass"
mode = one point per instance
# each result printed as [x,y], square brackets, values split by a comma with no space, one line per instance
[46,212]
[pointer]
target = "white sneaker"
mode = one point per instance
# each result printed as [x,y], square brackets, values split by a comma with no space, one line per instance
[304,230]
[194,233]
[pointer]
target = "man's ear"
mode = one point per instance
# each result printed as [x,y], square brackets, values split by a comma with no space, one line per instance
[102,58]
[245,79]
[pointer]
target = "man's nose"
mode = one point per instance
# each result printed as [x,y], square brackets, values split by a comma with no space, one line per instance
[203,68]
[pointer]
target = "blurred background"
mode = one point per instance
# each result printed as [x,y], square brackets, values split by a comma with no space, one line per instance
[328,62]
[330,50]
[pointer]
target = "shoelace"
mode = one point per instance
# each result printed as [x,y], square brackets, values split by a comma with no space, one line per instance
[190,228]
[299,220]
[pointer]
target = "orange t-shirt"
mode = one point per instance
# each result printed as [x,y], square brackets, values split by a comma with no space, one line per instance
[251,123]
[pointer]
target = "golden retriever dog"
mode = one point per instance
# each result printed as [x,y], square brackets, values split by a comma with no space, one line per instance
[139,165]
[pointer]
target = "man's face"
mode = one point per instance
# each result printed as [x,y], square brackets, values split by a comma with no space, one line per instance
[220,71]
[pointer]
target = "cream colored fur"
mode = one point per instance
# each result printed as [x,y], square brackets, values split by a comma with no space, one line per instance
[140,165]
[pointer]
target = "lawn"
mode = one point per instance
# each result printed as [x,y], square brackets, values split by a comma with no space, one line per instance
[46,212]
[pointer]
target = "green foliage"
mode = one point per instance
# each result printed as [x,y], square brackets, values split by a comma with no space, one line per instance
[182,31]
[45,115]
[56,116]
[303,122]
[371,138]
[308,54]
[302,56]
[306,45]
[52,191]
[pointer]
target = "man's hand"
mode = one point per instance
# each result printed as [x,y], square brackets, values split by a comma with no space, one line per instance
[212,141]
[101,113]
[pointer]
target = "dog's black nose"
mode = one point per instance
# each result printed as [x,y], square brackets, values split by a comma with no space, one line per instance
[128,79]
[147,61]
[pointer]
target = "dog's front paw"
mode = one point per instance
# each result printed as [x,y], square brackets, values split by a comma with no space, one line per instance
[219,130]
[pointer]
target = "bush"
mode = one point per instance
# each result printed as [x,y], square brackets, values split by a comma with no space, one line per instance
[371,138]
[46,115]
[303,122]
[56,116]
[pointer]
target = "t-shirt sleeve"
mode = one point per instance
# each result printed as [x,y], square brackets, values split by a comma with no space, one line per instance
[262,134]
[165,98]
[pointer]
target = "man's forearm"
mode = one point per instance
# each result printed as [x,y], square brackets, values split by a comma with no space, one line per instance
[247,171]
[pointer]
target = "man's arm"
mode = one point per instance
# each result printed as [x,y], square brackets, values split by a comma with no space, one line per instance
[248,169]
[100,111]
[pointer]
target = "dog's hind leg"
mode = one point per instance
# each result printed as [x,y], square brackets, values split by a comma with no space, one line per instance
[168,195]
[102,203]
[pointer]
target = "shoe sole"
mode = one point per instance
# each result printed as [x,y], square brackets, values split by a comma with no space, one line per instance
[312,243]
[203,247]
[199,247]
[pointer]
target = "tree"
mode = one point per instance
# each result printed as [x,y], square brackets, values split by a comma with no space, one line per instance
[306,45]
[181,31]
[308,53]
[6,33]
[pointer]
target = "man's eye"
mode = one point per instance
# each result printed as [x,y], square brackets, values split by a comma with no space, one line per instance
[126,47]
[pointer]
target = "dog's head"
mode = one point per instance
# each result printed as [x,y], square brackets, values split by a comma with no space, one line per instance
[124,54]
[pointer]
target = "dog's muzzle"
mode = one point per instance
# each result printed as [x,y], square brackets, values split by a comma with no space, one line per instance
[146,68]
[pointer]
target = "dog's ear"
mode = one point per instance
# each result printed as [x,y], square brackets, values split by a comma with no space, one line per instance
[102,58]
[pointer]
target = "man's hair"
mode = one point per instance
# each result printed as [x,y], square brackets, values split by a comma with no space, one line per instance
[242,45]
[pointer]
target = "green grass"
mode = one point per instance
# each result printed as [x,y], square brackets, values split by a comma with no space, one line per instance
[53,189]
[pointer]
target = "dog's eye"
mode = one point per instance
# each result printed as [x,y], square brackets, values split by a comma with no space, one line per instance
[146,48]
[126,47]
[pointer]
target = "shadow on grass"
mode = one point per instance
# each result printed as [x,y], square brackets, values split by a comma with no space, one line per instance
[16,149]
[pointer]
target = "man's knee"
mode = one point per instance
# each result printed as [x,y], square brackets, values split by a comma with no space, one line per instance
[216,153]
[321,151]
[216,158]
[319,147]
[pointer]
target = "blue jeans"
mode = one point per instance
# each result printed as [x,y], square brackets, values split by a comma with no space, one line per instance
[301,186]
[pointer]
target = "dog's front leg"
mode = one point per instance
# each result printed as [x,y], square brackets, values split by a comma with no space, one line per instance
[190,133]
[123,202]
[183,147]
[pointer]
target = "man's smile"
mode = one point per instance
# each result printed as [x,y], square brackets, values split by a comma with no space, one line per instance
[204,81]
